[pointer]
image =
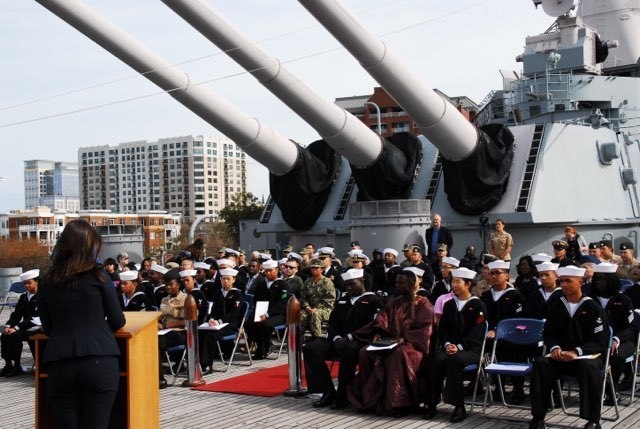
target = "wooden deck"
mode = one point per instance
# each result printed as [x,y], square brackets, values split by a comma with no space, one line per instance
[185,408]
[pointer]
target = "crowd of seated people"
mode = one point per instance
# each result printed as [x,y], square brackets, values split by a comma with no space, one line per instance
[424,315]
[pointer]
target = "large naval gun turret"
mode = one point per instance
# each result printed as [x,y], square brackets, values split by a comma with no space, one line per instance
[556,145]
[572,114]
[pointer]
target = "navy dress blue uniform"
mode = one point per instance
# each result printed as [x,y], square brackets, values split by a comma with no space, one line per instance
[226,308]
[202,304]
[633,293]
[277,295]
[81,354]
[210,289]
[619,311]
[539,301]
[11,345]
[587,333]
[345,318]
[463,327]
[139,302]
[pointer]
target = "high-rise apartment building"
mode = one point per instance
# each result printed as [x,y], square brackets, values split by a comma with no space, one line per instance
[191,175]
[51,184]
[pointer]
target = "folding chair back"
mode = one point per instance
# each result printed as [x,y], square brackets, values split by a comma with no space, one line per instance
[11,299]
[182,350]
[521,332]
[635,359]
[625,284]
[478,368]
[237,337]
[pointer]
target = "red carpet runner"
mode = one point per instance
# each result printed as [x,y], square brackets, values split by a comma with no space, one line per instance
[264,382]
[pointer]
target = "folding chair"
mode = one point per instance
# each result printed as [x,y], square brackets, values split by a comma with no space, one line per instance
[284,328]
[520,332]
[248,297]
[478,368]
[236,338]
[606,377]
[633,360]
[11,299]
[167,353]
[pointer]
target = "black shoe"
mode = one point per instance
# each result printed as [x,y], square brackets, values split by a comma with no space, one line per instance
[16,371]
[269,351]
[592,425]
[326,400]
[516,398]
[609,400]
[339,404]
[459,414]
[163,383]
[626,383]
[6,370]
[537,423]
[399,412]
[430,412]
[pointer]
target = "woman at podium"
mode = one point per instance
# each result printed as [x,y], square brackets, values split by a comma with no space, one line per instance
[79,311]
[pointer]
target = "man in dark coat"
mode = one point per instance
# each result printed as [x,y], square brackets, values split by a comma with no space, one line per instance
[354,309]
[435,235]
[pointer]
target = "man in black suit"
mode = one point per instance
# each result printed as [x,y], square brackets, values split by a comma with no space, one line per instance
[354,309]
[20,325]
[435,235]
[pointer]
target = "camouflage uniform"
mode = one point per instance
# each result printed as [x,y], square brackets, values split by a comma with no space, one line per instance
[321,296]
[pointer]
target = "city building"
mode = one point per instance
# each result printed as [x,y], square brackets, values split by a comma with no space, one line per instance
[188,175]
[51,184]
[393,119]
[140,234]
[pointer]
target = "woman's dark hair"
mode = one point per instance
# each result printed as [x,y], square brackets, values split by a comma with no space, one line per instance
[75,252]
[132,266]
[110,261]
[605,284]
[533,270]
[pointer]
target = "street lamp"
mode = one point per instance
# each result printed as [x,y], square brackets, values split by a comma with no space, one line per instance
[371,103]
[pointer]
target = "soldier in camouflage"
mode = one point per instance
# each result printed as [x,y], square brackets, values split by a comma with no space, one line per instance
[317,298]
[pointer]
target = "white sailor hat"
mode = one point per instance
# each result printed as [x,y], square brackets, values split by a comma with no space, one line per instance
[541,257]
[605,267]
[228,272]
[28,275]
[202,265]
[138,266]
[571,270]
[464,273]
[415,270]
[355,253]
[394,252]
[326,251]
[499,265]
[270,264]
[451,261]
[352,274]
[547,266]
[227,262]
[229,251]
[128,275]
[264,256]
[186,273]
[294,255]
[159,269]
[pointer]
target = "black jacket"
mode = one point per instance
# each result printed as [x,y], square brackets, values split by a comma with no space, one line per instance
[508,306]
[443,237]
[537,307]
[464,328]
[346,317]
[80,321]
[24,311]
[228,308]
[139,302]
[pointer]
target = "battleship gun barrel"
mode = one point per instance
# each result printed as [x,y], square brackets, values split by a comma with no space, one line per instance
[342,131]
[453,135]
[257,139]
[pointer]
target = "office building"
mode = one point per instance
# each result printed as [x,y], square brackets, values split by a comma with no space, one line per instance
[51,184]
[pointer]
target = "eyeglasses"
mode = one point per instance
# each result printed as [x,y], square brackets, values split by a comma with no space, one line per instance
[289,267]
[495,273]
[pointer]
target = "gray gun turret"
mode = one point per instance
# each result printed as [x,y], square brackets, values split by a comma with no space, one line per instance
[307,172]
[471,187]
[382,169]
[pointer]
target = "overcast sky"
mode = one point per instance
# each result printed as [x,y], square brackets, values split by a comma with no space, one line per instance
[49,69]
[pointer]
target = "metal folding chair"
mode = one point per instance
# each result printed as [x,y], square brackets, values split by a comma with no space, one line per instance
[478,368]
[11,299]
[625,284]
[606,377]
[521,332]
[634,360]
[236,337]
[167,353]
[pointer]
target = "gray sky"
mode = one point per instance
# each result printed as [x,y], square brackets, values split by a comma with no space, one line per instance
[457,46]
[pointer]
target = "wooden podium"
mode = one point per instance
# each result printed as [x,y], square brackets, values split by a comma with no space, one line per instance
[137,401]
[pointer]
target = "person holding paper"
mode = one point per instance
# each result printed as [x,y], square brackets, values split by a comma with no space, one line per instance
[20,325]
[577,327]
[354,309]
[388,380]
[226,310]
[460,338]
[271,298]
[172,317]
